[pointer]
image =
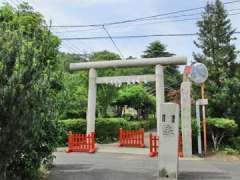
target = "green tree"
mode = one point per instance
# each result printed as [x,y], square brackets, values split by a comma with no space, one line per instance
[104,55]
[215,39]
[72,98]
[105,93]
[28,89]
[219,128]
[137,97]
[172,76]
[156,49]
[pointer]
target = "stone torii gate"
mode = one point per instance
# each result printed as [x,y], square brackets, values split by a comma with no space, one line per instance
[165,112]
[158,77]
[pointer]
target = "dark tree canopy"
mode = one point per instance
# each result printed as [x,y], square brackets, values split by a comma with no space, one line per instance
[215,39]
[171,74]
[156,49]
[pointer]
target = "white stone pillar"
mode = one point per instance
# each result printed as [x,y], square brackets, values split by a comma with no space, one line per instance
[186,118]
[159,93]
[168,144]
[91,110]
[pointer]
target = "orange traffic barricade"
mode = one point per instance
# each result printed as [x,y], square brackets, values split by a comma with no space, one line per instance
[81,142]
[131,138]
[153,145]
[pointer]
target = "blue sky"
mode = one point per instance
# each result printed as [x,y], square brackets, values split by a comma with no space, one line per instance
[78,12]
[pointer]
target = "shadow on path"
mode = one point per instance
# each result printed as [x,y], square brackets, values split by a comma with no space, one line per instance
[88,172]
[203,175]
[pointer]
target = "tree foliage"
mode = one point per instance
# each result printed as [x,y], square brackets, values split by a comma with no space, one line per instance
[156,49]
[137,97]
[218,128]
[73,97]
[28,81]
[105,93]
[103,55]
[215,39]
[172,76]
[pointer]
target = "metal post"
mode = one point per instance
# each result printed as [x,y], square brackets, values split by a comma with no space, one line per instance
[204,121]
[91,110]
[198,128]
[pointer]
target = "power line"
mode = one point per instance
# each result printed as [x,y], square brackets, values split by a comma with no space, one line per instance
[140,19]
[126,37]
[75,47]
[178,20]
[109,36]
[68,47]
[78,30]
[133,36]
[156,22]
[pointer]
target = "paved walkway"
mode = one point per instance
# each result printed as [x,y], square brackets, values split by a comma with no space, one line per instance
[134,164]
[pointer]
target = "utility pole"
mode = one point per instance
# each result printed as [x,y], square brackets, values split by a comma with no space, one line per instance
[204,119]
[199,75]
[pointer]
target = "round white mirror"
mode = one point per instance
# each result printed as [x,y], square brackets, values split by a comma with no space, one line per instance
[199,73]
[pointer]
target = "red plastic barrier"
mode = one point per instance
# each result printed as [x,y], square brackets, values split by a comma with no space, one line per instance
[153,145]
[81,143]
[131,138]
[180,153]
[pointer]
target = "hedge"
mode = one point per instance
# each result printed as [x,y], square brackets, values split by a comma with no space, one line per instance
[145,124]
[235,142]
[107,129]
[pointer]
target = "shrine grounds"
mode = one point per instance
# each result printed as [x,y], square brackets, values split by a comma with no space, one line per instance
[111,163]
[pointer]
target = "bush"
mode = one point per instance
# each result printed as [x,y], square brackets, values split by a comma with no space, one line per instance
[74,125]
[145,124]
[230,151]
[235,142]
[107,129]
[218,128]
[195,135]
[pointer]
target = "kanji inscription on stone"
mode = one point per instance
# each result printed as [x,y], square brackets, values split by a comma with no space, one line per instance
[168,130]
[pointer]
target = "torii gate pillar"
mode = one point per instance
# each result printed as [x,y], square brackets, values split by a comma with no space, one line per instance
[91,110]
[159,94]
[186,118]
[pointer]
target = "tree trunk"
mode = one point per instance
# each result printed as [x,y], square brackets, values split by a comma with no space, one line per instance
[220,140]
[214,139]
[3,171]
[217,140]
